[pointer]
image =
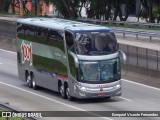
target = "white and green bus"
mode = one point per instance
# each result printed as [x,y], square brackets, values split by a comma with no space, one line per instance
[78,60]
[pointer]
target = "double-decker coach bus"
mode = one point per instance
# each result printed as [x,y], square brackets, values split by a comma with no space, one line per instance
[76,59]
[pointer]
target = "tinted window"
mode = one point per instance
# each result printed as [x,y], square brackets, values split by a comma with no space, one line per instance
[69,41]
[41,35]
[99,71]
[96,43]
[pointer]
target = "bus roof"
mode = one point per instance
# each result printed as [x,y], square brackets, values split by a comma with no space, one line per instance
[62,24]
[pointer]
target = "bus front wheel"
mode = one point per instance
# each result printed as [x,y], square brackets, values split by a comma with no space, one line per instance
[70,98]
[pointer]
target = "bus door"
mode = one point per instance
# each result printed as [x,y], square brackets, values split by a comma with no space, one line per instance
[70,46]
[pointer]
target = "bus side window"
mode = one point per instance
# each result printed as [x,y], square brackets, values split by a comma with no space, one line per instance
[56,39]
[45,33]
[31,32]
[38,31]
[54,35]
[20,30]
[69,41]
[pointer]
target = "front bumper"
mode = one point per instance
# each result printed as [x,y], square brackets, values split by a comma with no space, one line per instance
[98,93]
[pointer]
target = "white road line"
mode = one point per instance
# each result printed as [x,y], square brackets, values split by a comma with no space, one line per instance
[125,98]
[141,84]
[8,51]
[54,100]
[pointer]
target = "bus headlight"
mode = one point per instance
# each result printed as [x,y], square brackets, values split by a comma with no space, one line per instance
[83,88]
[118,86]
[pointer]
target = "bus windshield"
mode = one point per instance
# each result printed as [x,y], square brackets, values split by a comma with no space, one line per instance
[104,71]
[96,43]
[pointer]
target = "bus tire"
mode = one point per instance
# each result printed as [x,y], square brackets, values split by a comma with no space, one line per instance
[29,80]
[62,91]
[34,86]
[70,98]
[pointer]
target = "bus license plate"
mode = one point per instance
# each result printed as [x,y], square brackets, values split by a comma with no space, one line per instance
[101,94]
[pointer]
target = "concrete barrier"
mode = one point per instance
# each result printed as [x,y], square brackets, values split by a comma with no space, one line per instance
[8,43]
[8,28]
[141,75]
[8,34]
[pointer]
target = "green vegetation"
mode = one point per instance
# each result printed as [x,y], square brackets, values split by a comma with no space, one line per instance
[6,13]
[98,9]
[12,118]
[110,9]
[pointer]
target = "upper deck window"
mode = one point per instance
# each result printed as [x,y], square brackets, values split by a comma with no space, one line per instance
[96,43]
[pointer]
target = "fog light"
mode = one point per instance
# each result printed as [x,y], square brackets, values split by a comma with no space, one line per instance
[119,93]
[82,94]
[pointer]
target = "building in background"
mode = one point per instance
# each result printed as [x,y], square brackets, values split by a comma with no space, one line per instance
[30,5]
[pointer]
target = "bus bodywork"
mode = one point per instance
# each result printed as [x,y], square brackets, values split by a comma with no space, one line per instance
[76,59]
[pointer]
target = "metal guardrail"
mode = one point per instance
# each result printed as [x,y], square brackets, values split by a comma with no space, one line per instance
[157,25]
[8,28]
[142,57]
[124,31]
[7,108]
[137,33]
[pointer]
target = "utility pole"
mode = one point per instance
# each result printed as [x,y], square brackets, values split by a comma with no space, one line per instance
[21,8]
[38,8]
[33,7]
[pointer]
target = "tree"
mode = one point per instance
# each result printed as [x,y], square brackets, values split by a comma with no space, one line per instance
[99,9]
[68,8]
[118,11]
[1,5]
[4,5]
[147,11]
[12,2]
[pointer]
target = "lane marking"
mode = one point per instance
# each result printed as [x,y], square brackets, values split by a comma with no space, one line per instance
[141,84]
[54,100]
[8,51]
[125,99]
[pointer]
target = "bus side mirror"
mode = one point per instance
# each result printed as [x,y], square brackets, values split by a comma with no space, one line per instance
[124,57]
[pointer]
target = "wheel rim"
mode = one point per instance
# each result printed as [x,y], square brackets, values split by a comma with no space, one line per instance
[61,90]
[33,83]
[67,92]
[28,80]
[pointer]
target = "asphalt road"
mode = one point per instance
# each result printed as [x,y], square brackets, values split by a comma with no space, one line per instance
[135,97]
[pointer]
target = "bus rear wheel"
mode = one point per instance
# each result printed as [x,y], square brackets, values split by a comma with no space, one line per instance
[62,92]
[70,98]
[29,80]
